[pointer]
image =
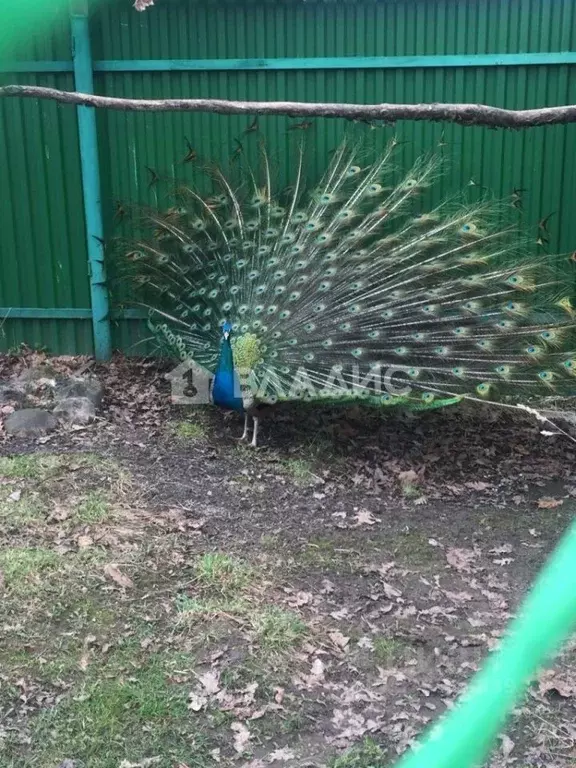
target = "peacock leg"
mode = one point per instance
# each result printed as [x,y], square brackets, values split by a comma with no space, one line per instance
[254,442]
[245,433]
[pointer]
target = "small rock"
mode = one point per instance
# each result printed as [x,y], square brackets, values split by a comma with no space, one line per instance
[75,410]
[86,387]
[33,379]
[10,394]
[30,421]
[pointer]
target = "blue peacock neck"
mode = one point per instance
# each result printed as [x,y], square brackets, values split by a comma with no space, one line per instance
[226,388]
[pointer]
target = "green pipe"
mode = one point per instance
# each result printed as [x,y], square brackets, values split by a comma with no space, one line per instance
[88,139]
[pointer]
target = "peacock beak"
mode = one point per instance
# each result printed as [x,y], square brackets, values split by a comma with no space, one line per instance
[226,335]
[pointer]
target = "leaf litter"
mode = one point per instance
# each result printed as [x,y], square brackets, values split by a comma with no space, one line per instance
[402,600]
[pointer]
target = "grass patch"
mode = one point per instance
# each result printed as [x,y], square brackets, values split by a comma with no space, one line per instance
[299,469]
[276,629]
[32,465]
[191,610]
[93,508]
[26,510]
[222,573]
[21,565]
[365,755]
[129,716]
[326,553]
[388,650]
[412,548]
[188,430]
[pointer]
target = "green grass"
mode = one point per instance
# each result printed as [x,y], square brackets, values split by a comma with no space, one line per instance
[221,573]
[191,610]
[388,650]
[34,466]
[93,508]
[365,755]
[276,629]
[300,469]
[26,510]
[21,566]
[130,713]
[189,430]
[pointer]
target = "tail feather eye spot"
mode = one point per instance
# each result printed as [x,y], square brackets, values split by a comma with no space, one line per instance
[234,290]
[354,170]
[284,314]
[279,289]
[317,308]
[354,309]
[401,351]
[345,327]
[546,376]
[292,342]
[258,309]
[294,296]
[324,286]
[357,352]
[299,217]
[272,309]
[309,327]
[296,249]
[261,289]
[287,237]
[263,250]
[253,274]
[458,371]
[213,293]
[483,389]
[227,306]
[308,357]
[374,334]
[428,397]
[326,343]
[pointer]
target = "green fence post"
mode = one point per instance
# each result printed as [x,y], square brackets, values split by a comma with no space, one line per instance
[88,139]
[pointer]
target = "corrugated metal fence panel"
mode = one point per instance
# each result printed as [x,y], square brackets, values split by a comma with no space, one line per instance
[538,160]
[42,236]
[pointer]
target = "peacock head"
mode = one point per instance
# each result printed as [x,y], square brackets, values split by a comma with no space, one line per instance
[226,329]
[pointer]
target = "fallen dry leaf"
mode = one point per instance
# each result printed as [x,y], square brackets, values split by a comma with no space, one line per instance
[339,640]
[507,745]
[546,502]
[15,496]
[365,517]
[280,755]
[561,683]
[279,695]
[210,682]
[85,541]
[196,701]
[461,559]
[113,572]
[242,737]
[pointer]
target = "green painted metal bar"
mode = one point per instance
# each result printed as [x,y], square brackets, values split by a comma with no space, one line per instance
[87,132]
[315,63]
[65,313]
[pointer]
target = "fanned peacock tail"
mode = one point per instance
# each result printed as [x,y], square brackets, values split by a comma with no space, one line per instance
[332,289]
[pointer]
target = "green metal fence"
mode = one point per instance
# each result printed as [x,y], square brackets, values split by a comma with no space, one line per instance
[517,54]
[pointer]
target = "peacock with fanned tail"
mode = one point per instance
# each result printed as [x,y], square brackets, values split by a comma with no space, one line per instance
[349,292]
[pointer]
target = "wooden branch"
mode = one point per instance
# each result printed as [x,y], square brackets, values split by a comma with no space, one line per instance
[465,114]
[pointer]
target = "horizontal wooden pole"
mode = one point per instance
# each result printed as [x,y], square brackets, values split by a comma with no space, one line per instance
[303,63]
[464,114]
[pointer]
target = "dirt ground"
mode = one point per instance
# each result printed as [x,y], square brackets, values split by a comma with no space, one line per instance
[173,598]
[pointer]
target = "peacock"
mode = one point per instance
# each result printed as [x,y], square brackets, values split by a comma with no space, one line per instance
[350,289]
